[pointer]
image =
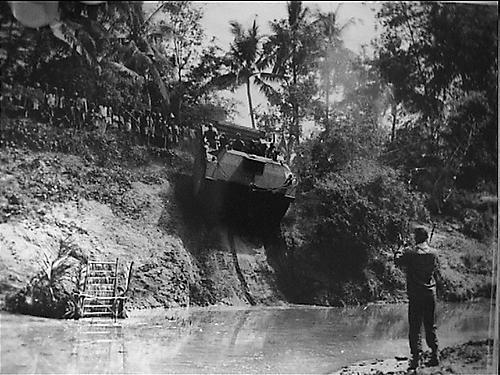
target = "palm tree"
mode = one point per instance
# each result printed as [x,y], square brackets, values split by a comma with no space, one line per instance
[247,64]
[290,51]
[245,51]
[112,35]
[244,55]
[334,57]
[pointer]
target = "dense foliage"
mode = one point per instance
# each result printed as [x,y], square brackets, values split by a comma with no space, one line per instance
[441,63]
[352,209]
[435,73]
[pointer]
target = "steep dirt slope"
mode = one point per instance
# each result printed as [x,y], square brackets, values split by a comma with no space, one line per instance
[126,213]
[241,267]
[465,264]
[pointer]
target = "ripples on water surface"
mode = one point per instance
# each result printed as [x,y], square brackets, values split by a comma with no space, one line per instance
[226,340]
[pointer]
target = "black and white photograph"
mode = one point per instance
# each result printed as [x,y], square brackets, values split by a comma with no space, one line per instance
[249,187]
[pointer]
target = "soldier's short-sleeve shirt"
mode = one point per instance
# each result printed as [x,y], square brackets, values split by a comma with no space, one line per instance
[420,263]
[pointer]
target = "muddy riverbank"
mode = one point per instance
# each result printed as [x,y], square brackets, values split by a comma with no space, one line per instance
[473,357]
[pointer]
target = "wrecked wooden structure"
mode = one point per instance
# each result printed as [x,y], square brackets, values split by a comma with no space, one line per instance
[102,294]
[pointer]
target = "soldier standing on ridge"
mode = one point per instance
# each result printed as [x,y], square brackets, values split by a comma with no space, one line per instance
[72,110]
[271,152]
[51,105]
[420,263]
[36,102]
[81,110]
[177,132]
[164,133]
[61,106]
[238,144]
[211,137]
[223,141]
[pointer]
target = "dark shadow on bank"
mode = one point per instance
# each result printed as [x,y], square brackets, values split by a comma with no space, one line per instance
[230,209]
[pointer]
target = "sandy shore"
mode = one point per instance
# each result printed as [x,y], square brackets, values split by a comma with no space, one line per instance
[473,357]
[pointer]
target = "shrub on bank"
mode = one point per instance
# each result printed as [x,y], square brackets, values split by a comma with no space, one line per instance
[53,291]
[349,223]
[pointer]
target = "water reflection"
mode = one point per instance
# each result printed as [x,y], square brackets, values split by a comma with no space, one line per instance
[257,340]
[99,347]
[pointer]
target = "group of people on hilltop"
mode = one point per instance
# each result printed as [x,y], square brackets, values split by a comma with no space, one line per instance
[58,107]
[52,104]
[216,142]
[159,129]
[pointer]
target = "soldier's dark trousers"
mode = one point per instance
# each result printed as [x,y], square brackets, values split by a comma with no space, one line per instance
[421,310]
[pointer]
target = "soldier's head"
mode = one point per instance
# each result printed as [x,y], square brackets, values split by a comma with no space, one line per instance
[420,234]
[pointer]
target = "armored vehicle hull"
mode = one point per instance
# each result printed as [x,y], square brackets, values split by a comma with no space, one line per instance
[241,188]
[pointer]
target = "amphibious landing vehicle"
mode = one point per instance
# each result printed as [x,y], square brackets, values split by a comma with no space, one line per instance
[241,185]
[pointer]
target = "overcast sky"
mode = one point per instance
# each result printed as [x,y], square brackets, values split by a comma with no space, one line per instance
[217,16]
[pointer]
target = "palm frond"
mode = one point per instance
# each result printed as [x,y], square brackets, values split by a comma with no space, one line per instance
[123,69]
[236,29]
[350,22]
[226,81]
[153,13]
[269,91]
[296,13]
[271,77]
[253,32]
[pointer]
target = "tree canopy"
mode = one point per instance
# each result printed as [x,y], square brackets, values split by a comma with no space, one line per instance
[441,63]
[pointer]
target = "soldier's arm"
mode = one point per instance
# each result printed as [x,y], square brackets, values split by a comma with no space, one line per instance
[401,257]
[437,270]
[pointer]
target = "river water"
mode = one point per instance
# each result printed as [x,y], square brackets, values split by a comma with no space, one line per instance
[225,340]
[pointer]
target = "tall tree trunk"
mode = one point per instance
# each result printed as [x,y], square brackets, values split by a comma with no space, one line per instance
[179,84]
[327,104]
[179,111]
[394,119]
[179,102]
[295,131]
[295,105]
[179,73]
[9,48]
[250,106]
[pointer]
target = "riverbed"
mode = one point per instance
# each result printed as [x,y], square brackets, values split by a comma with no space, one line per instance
[294,339]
